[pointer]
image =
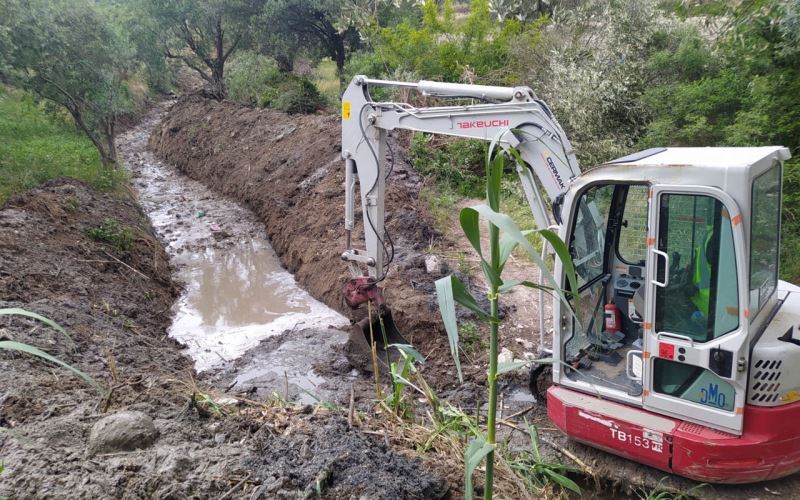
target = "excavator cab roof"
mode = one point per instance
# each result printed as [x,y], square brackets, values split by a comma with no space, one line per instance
[703,157]
[729,169]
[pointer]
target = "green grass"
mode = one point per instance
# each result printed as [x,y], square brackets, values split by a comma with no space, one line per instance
[36,146]
[115,234]
[326,80]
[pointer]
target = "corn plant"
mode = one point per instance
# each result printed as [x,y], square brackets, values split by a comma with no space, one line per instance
[10,345]
[539,473]
[400,372]
[504,237]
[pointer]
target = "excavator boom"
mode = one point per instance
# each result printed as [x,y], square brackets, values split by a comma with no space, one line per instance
[510,117]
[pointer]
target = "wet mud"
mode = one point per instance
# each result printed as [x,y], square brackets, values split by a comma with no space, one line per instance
[61,438]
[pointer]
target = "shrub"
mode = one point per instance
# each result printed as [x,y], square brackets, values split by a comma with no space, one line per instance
[115,234]
[249,75]
[298,95]
[255,80]
[454,163]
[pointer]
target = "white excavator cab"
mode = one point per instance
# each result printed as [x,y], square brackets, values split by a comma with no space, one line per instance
[662,238]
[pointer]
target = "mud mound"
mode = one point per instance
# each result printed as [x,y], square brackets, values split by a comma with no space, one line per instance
[288,169]
[328,457]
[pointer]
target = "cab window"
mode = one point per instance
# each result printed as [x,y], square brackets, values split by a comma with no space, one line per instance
[701,299]
[764,237]
[587,243]
[631,247]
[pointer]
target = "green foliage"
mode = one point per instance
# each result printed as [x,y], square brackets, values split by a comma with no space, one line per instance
[70,53]
[119,236]
[36,146]
[439,48]
[539,473]
[457,163]
[297,95]
[256,80]
[250,76]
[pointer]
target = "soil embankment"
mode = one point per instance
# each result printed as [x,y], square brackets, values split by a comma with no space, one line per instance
[289,171]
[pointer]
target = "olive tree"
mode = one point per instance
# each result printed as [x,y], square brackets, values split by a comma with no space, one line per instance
[67,51]
[319,26]
[203,34]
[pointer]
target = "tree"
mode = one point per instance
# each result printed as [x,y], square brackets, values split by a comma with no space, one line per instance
[203,33]
[314,24]
[67,52]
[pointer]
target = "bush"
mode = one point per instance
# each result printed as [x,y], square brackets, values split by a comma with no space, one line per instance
[115,234]
[249,76]
[255,80]
[297,95]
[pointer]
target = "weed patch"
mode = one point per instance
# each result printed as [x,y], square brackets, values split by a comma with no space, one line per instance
[119,236]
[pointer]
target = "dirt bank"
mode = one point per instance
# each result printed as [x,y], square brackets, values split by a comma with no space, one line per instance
[289,171]
[154,439]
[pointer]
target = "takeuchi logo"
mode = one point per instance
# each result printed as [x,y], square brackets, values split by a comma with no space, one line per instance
[483,124]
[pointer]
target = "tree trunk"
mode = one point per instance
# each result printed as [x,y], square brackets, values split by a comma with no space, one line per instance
[108,151]
[109,158]
[338,56]
[285,63]
[218,71]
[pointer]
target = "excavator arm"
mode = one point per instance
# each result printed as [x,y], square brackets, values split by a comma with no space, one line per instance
[512,116]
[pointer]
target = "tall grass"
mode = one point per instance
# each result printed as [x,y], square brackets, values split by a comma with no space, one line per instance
[37,145]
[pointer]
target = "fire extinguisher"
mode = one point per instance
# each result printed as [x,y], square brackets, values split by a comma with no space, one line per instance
[613,318]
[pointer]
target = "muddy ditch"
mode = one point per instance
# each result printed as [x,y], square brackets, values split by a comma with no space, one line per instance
[159,433]
[288,170]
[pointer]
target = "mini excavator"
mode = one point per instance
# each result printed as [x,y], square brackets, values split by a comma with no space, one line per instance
[685,355]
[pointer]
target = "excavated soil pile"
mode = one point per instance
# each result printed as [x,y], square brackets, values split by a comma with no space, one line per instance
[148,438]
[289,170]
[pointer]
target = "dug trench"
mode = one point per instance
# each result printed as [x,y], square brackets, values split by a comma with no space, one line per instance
[91,262]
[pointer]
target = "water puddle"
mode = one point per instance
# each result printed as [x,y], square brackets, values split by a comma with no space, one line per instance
[235,291]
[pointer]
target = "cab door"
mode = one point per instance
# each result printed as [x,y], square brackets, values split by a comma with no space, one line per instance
[695,327]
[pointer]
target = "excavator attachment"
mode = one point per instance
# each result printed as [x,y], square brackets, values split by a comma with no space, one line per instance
[382,332]
[377,329]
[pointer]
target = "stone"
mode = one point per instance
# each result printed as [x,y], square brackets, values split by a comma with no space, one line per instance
[122,431]
[505,356]
[431,264]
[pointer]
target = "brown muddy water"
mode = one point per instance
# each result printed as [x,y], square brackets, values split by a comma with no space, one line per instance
[235,292]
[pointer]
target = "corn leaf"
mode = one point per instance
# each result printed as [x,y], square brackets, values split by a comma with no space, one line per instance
[510,366]
[447,308]
[409,352]
[508,285]
[473,456]
[28,349]
[562,480]
[16,311]
[493,180]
